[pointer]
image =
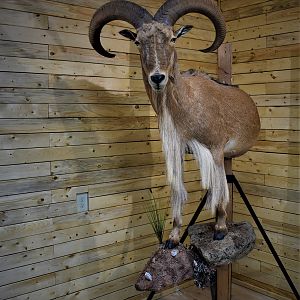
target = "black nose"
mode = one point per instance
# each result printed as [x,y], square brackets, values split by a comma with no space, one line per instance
[157,78]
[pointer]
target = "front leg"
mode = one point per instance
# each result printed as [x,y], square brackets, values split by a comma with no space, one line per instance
[178,197]
[174,236]
[220,227]
[173,146]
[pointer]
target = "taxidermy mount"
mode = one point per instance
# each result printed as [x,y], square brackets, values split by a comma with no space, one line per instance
[214,120]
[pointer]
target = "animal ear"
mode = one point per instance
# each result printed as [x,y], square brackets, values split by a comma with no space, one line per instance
[128,34]
[183,30]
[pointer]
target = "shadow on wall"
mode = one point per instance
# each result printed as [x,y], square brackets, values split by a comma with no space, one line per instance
[112,152]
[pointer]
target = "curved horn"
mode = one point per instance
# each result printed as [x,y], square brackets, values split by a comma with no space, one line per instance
[116,10]
[172,10]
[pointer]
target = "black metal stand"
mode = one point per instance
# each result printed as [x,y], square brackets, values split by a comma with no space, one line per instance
[232,179]
[265,236]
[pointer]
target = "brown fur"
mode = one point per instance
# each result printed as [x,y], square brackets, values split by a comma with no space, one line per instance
[202,108]
[222,118]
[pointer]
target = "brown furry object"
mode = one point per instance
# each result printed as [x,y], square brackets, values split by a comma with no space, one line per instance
[166,270]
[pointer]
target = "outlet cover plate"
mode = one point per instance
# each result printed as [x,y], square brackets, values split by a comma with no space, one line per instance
[82,200]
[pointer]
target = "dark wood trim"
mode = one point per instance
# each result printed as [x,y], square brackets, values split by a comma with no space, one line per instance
[224,273]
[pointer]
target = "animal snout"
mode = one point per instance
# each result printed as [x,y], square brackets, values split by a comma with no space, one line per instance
[157,78]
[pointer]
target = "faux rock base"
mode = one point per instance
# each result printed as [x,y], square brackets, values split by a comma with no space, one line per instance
[237,243]
[166,268]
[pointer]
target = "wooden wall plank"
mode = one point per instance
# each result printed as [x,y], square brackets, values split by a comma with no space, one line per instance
[12,64]
[24,171]
[231,4]
[15,141]
[98,110]
[19,156]
[51,8]
[271,158]
[263,168]
[9,48]
[23,111]
[94,137]
[66,180]
[270,88]
[283,15]
[266,77]
[261,31]
[266,54]
[270,192]
[238,24]
[279,147]
[25,200]
[10,79]
[92,164]
[254,9]
[12,17]
[26,286]
[17,260]
[264,213]
[279,112]
[48,96]
[268,65]
[274,204]
[75,124]
[41,36]
[279,123]
[280,135]
[256,43]
[283,39]
[277,100]
[95,83]
[88,55]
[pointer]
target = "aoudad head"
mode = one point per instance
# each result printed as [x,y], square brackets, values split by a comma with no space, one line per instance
[154,36]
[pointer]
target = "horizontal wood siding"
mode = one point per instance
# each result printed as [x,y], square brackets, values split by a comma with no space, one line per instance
[265,38]
[72,121]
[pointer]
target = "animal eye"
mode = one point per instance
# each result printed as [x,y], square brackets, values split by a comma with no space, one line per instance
[137,43]
[173,40]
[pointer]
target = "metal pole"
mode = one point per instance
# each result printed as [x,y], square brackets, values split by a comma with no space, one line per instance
[194,218]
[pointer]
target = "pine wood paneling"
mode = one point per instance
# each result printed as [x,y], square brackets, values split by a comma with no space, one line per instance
[72,121]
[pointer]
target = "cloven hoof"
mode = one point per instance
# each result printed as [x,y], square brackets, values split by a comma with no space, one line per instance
[219,235]
[170,244]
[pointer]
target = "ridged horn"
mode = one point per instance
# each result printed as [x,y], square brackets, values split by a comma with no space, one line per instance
[172,10]
[116,10]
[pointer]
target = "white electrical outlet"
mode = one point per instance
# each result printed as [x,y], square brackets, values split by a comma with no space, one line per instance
[82,200]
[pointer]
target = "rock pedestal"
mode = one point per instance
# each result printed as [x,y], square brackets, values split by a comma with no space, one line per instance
[236,244]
